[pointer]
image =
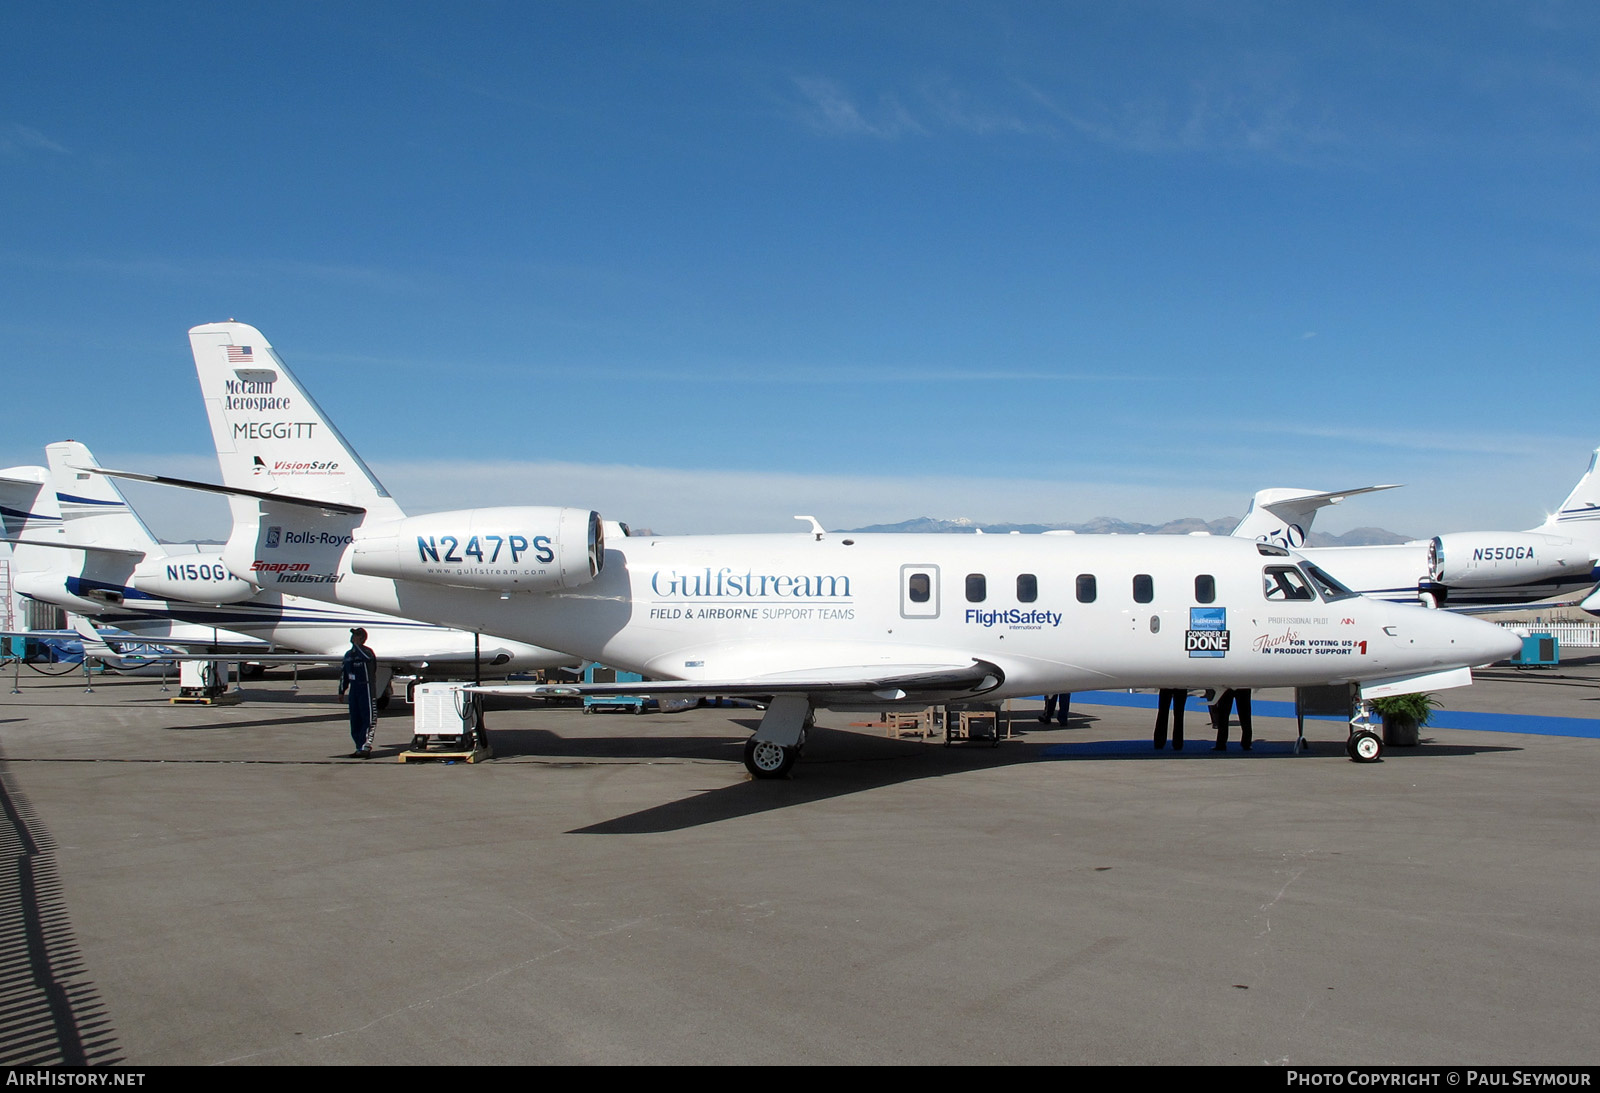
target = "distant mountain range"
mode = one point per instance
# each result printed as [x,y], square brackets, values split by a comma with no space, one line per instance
[1107,525]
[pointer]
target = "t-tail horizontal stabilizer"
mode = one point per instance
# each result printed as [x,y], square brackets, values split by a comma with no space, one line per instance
[1284,516]
[329,507]
[114,552]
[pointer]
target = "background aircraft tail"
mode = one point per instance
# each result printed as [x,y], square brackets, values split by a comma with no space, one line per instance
[28,511]
[270,434]
[93,510]
[28,507]
[1579,515]
[1284,516]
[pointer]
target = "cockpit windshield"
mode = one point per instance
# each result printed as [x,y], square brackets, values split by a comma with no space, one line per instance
[1330,588]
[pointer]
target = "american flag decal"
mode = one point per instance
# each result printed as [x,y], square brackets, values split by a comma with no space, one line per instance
[240,354]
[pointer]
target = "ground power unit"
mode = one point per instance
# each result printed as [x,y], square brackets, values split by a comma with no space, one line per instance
[447,715]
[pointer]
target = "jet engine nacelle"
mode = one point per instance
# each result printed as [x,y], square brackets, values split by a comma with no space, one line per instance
[196,579]
[67,592]
[1477,558]
[520,549]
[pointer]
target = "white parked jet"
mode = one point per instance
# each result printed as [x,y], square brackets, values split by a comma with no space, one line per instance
[1469,570]
[809,619]
[79,545]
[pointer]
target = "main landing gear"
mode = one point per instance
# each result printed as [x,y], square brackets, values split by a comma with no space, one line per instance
[764,759]
[777,743]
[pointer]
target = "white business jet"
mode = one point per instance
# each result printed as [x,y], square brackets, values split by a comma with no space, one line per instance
[79,545]
[1466,570]
[802,620]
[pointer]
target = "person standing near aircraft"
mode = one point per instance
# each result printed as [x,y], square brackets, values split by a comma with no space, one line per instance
[1222,709]
[1056,706]
[1174,700]
[358,674]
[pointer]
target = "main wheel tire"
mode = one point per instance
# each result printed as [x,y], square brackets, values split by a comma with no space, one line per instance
[764,759]
[1365,747]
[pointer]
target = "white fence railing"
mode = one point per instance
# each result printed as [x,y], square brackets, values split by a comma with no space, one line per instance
[1570,635]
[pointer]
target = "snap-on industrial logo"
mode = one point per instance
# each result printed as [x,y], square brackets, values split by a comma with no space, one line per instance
[253,395]
[294,573]
[1207,635]
[727,583]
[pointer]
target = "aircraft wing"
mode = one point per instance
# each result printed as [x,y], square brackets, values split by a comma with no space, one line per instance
[233,491]
[194,649]
[877,682]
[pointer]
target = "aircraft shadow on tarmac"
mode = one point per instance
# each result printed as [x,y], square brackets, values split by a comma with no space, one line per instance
[53,1014]
[274,722]
[839,762]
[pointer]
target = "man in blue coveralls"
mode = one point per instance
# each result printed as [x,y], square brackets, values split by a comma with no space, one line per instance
[358,674]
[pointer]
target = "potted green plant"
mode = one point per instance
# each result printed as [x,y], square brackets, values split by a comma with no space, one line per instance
[1403,717]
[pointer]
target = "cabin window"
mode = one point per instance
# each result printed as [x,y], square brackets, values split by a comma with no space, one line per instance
[1205,589]
[1086,588]
[1144,588]
[977,587]
[1027,587]
[1285,582]
[918,587]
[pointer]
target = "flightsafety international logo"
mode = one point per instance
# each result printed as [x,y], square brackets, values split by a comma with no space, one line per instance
[1207,635]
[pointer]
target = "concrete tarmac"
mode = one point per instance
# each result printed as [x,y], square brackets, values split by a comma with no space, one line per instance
[201,885]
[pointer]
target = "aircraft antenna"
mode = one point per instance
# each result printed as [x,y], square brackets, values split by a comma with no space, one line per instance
[816,528]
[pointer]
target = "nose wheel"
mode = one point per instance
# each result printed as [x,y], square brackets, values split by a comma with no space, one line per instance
[1365,746]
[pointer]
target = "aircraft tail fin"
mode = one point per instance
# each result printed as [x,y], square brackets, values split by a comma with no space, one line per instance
[1284,516]
[1579,515]
[269,432]
[28,508]
[93,510]
[29,512]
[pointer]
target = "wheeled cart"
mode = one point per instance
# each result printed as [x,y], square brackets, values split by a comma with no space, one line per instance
[599,673]
[447,723]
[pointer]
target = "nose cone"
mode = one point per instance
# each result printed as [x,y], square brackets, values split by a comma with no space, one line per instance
[1500,642]
[1443,638]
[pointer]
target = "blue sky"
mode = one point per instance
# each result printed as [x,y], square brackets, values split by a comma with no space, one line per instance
[703,265]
